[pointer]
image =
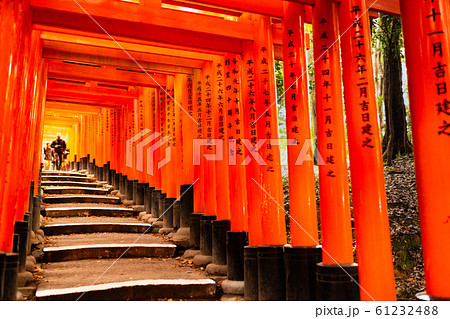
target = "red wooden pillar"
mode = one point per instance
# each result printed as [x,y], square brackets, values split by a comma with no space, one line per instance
[141,121]
[184,130]
[151,116]
[334,190]
[113,139]
[199,198]
[188,127]
[162,129]
[236,152]
[271,279]
[304,253]
[251,143]
[220,131]
[376,271]
[302,194]
[15,24]
[38,134]
[32,120]
[120,139]
[209,171]
[130,133]
[426,29]
[337,267]
[109,136]
[170,168]
[272,203]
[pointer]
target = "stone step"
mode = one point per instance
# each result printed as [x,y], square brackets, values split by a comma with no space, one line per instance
[81,199]
[61,173]
[87,228]
[95,251]
[81,178]
[72,211]
[69,183]
[75,190]
[194,289]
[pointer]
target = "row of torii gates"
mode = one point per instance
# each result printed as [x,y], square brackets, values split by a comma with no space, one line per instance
[103,72]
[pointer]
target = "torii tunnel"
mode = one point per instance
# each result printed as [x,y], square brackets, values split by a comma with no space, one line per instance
[181,97]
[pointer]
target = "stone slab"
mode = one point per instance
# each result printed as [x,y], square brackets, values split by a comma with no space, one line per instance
[91,210]
[75,190]
[86,228]
[82,199]
[199,289]
[64,253]
[69,183]
[83,179]
[60,173]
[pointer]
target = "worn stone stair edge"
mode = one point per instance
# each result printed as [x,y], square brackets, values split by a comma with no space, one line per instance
[43,294]
[74,247]
[83,196]
[61,173]
[95,224]
[88,228]
[53,209]
[74,188]
[52,184]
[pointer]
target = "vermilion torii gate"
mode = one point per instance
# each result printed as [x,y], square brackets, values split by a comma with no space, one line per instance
[130,83]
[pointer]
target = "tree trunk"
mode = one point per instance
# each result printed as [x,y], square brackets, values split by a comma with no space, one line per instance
[378,72]
[395,141]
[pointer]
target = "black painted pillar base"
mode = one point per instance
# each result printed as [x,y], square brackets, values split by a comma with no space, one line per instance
[155,203]
[251,273]
[271,273]
[337,282]
[117,179]
[176,214]
[301,268]
[29,220]
[161,209]
[219,246]
[206,234]
[219,241]
[168,215]
[110,178]
[205,256]
[187,204]
[131,190]
[195,230]
[2,273]
[140,187]
[104,173]
[31,197]
[36,214]
[148,200]
[11,277]
[21,228]
[122,185]
[236,241]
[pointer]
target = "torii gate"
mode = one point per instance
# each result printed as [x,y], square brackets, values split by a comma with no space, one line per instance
[117,68]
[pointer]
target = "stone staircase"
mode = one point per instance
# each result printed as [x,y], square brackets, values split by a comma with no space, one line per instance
[95,249]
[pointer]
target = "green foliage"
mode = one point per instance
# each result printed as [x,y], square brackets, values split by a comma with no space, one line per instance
[280,81]
[281,112]
[387,29]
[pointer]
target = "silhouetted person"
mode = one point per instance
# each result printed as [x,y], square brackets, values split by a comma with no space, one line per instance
[48,156]
[59,145]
